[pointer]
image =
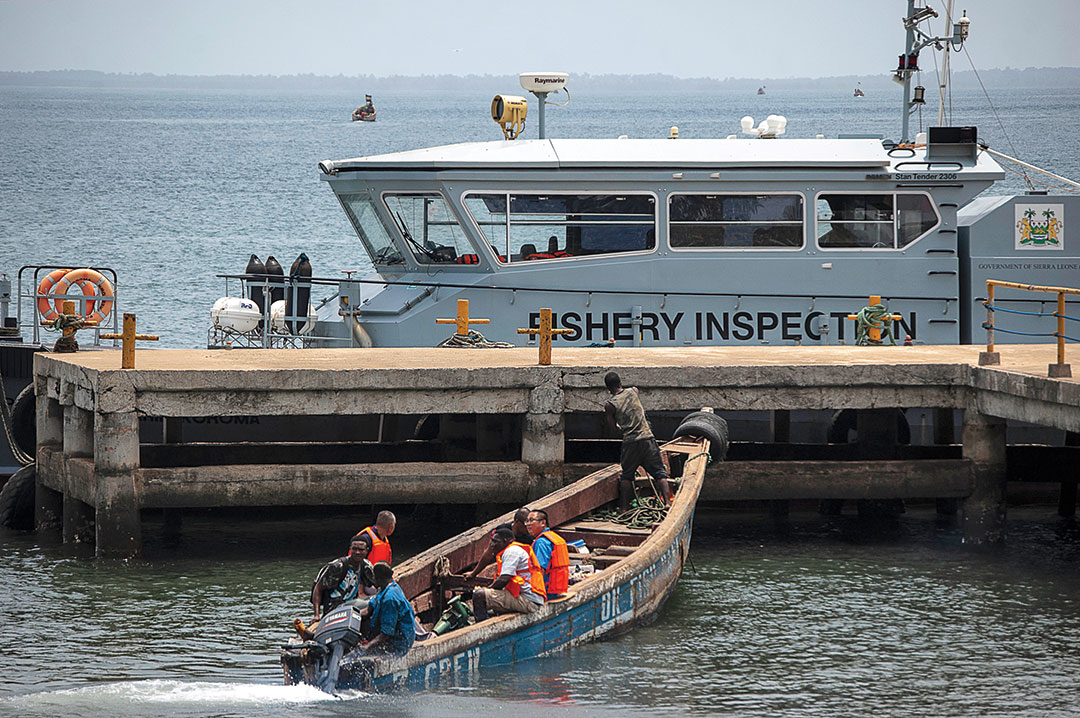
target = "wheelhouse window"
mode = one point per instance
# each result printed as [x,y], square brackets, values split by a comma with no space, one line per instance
[537,227]
[431,231]
[735,221]
[361,212]
[873,221]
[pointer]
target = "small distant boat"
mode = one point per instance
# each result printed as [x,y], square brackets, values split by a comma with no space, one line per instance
[859,92]
[366,113]
[761,90]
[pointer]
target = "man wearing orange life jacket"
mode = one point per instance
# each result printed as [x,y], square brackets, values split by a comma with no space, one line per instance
[519,582]
[385,523]
[551,553]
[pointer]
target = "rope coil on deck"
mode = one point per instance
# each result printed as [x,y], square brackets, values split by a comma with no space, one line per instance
[473,340]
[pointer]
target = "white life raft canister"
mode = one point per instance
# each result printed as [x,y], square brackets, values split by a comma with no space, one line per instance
[277,317]
[236,313]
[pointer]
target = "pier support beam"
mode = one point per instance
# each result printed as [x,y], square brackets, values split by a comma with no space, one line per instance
[48,503]
[78,432]
[543,451]
[116,458]
[78,520]
[945,434]
[543,438]
[984,509]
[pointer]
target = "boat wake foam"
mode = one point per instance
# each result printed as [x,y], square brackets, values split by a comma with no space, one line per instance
[183,693]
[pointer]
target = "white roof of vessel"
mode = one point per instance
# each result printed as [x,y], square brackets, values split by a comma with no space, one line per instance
[655,153]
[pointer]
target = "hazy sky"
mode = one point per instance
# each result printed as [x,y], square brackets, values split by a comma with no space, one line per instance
[721,38]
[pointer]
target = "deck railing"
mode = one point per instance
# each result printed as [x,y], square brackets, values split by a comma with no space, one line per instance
[989,357]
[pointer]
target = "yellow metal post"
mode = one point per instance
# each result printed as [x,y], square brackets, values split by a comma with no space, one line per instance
[462,320]
[545,332]
[1061,328]
[989,357]
[127,341]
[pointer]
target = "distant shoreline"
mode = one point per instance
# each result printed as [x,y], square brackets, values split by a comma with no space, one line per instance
[1008,78]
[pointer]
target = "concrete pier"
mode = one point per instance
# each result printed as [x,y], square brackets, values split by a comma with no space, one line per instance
[90,460]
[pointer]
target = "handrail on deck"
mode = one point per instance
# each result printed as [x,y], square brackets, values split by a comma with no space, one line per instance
[989,357]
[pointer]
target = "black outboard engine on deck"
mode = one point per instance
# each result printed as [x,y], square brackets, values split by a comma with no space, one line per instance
[337,634]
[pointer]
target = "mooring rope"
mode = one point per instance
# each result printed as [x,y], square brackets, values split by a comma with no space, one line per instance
[473,340]
[5,415]
[872,318]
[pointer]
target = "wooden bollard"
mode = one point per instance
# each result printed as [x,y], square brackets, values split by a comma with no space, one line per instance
[545,332]
[127,341]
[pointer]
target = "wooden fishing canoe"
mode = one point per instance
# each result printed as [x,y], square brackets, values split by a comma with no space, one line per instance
[635,575]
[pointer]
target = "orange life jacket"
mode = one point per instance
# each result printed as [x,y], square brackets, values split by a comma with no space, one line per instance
[533,574]
[468,259]
[557,577]
[380,548]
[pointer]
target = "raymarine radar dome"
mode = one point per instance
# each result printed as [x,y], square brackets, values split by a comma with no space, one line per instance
[544,81]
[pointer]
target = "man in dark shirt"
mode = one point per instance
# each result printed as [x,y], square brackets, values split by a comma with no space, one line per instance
[625,414]
[344,579]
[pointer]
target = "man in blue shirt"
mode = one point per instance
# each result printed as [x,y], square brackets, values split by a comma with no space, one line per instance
[392,617]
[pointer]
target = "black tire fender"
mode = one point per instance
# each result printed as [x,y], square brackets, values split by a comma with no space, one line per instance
[712,427]
[17,499]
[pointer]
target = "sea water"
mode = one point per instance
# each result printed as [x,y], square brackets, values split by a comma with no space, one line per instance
[811,616]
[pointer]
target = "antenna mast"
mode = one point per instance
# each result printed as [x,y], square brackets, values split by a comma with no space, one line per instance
[909,61]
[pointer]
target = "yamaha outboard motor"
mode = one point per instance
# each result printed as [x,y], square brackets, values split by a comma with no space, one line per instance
[277,286]
[338,633]
[298,297]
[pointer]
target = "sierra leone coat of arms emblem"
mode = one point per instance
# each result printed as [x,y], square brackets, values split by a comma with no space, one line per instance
[1040,226]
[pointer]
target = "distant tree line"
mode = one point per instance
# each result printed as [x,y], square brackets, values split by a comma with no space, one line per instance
[1007,78]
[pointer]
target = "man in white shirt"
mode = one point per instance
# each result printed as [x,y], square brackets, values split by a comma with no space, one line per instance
[518,586]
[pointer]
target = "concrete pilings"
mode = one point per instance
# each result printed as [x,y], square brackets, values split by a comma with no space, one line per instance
[984,508]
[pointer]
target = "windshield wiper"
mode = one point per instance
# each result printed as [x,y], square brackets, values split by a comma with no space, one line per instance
[409,238]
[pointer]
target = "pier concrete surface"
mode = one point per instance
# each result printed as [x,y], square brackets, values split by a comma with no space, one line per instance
[89,409]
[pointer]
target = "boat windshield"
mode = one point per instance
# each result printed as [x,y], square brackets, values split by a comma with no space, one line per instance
[361,212]
[554,226]
[430,229]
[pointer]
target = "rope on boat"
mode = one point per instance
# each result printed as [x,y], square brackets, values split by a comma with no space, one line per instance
[441,569]
[644,512]
[473,340]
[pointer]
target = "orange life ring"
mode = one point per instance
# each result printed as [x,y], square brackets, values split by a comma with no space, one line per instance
[96,283]
[44,293]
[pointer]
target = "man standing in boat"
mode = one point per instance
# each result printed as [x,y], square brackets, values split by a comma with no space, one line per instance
[518,586]
[626,414]
[379,537]
[551,553]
